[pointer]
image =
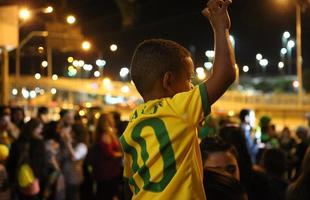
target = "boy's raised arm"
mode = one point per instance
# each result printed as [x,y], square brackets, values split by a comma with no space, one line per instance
[224,72]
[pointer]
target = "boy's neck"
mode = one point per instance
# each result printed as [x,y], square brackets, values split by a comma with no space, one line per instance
[147,98]
[154,95]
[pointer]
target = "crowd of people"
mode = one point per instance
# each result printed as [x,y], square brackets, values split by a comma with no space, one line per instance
[267,164]
[64,159]
[61,160]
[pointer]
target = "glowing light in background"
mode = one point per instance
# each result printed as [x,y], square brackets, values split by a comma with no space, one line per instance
[37,76]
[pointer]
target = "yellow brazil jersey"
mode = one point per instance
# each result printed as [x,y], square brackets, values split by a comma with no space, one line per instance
[162,157]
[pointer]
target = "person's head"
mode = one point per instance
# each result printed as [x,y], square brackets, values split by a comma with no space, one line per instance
[105,124]
[5,118]
[245,115]
[17,115]
[32,130]
[161,68]
[78,133]
[221,155]
[264,123]
[220,185]
[234,135]
[67,117]
[116,116]
[302,133]
[286,132]
[274,162]
[43,114]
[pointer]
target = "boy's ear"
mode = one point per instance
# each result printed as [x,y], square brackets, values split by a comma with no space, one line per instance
[168,83]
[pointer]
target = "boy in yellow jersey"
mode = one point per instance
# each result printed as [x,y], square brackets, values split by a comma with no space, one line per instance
[161,146]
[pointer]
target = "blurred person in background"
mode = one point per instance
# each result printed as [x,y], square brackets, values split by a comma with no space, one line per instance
[218,154]
[5,191]
[107,159]
[42,115]
[255,182]
[274,164]
[247,119]
[120,125]
[265,123]
[27,163]
[72,168]
[288,144]
[299,190]
[57,137]
[18,117]
[273,137]
[8,131]
[301,147]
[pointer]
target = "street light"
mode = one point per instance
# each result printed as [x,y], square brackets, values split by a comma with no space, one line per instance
[71,19]
[263,62]
[283,51]
[24,13]
[280,65]
[113,47]
[210,54]
[286,35]
[208,65]
[97,74]
[245,68]
[88,67]
[124,72]
[86,45]
[37,76]
[55,77]
[290,45]
[100,63]
[70,59]
[259,56]
[48,9]
[44,63]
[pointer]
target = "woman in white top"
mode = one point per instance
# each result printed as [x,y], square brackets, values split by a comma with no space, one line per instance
[76,151]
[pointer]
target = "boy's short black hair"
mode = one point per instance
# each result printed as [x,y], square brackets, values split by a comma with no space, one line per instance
[152,59]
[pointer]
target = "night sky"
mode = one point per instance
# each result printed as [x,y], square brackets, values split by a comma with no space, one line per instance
[257,26]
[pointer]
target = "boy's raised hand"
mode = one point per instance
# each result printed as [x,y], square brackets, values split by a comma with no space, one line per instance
[217,13]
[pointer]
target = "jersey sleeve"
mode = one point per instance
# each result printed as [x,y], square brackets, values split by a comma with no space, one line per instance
[192,105]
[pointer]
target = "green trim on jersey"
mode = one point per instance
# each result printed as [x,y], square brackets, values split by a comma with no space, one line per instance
[133,152]
[204,99]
